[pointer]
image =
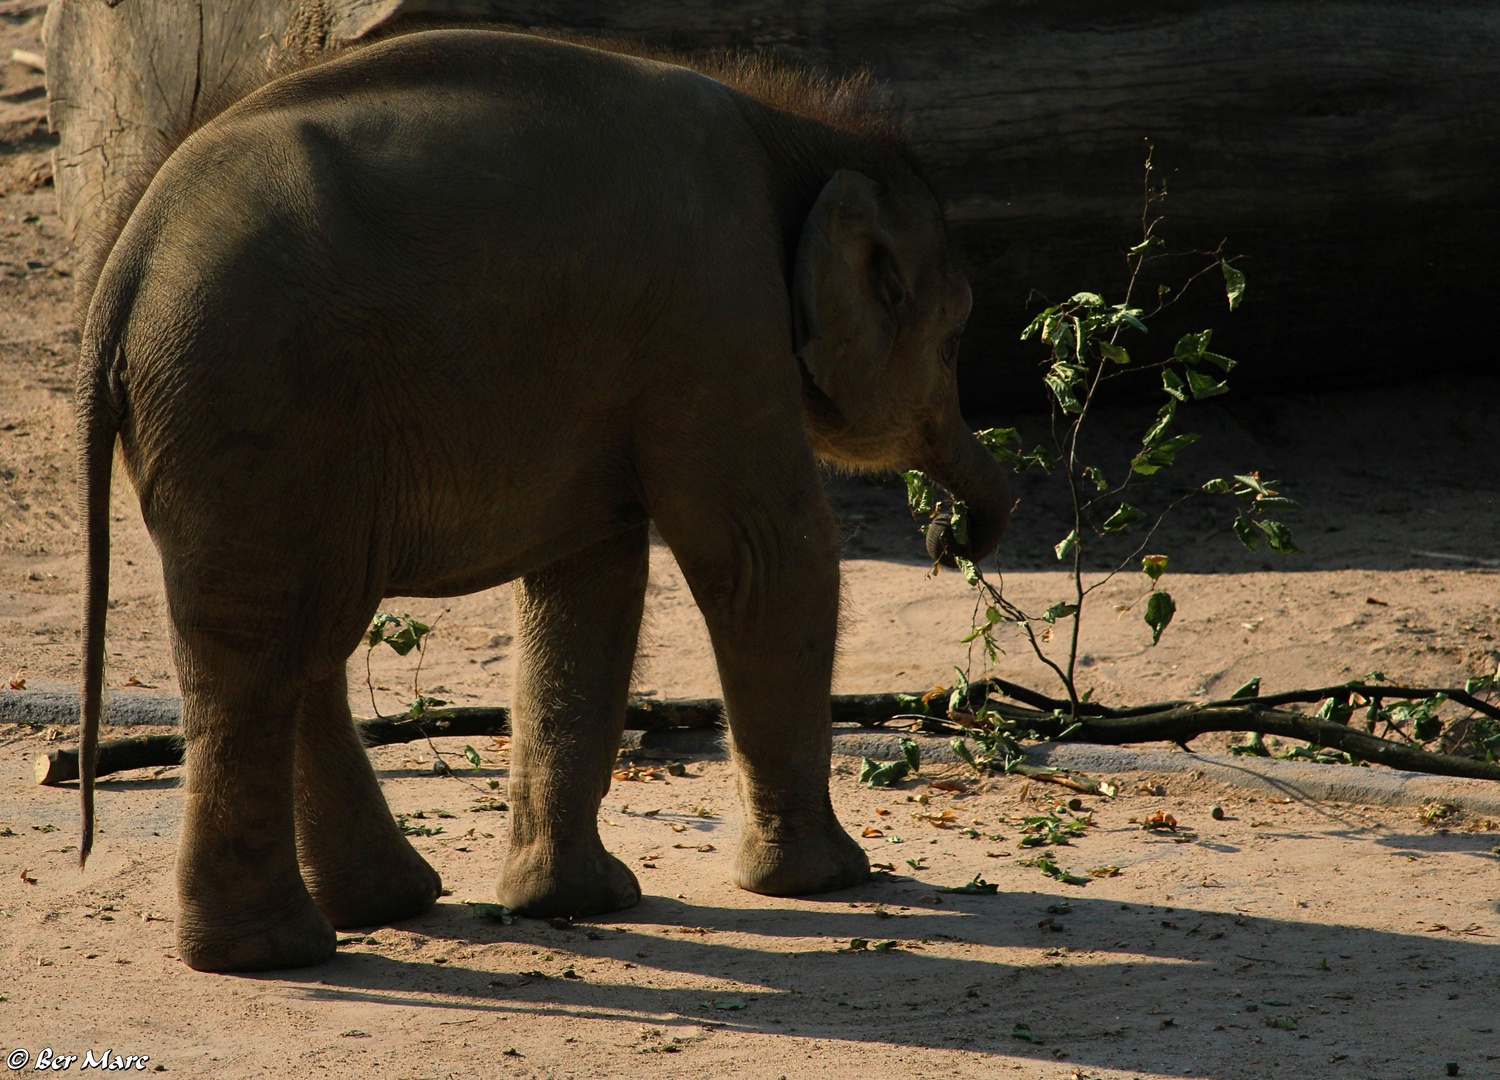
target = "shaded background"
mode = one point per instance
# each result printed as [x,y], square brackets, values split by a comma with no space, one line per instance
[1347,149]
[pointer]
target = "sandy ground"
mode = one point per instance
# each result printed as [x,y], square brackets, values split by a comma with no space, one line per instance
[1327,941]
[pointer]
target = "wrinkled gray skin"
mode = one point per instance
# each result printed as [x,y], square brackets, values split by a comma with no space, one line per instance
[467,308]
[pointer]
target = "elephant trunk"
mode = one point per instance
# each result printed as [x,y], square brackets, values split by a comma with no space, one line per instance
[958,462]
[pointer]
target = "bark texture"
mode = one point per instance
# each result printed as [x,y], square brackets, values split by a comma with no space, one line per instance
[1347,147]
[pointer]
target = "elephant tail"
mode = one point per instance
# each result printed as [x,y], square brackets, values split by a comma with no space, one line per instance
[98,407]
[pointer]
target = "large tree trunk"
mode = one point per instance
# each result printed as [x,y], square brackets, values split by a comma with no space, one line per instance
[1349,149]
[127,79]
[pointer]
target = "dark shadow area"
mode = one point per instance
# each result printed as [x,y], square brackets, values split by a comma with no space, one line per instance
[1391,478]
[155,783]
[1086,952]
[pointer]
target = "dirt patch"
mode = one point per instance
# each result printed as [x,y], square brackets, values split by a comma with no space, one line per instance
[1283,937]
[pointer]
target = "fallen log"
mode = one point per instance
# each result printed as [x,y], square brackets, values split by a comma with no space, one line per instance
[1346,147]
[1178,722]
[154,751]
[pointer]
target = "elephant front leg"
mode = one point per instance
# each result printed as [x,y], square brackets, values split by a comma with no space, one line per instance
[769,592]
[578,620]
[359,868]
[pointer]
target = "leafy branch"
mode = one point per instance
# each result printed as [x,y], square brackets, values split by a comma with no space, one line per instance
[1086,342]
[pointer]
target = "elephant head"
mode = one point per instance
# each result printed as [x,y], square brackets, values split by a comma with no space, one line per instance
[878,309]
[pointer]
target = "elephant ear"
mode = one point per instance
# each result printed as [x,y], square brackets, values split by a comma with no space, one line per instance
[848,289]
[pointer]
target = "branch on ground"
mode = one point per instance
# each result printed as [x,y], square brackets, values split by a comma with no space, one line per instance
[1049,719]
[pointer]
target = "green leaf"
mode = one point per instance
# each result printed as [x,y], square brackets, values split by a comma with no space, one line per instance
[882,774]
[492,911]
[1087,299]
[1059,611]
[1164,417]
[962,752]
[1154,458]
[1146,245]
[967,568]
[921,493]
[1123,518]
[1244,528]
[403,822]
[1205,386]
[990,438]
[1114,353]
[913,754]
[1063,339]
[977,887]
[1255,483]
[726,1003]
[1217,487]
[1154,566]
[1159,612]
[1254,746]
[1039,323]
[1189,347]
[401,632]
[958,525]
[1063,392]
[1225,364]
[1061,380]
[1129,315]
[1048,865]
[958,697]
[1479,685]
[1250,690]
[1065,546]
[473,757]
[1038,457]
[424,705]
[1275,502]
[1278,537]
[1023,1031]
[1094,476]
[1234,284]
[1172,384]
[1334,711]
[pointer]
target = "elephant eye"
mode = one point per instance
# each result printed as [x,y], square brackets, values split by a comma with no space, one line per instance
[950,347]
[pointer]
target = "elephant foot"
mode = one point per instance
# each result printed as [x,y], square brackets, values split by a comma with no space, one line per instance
[376,891]
[784,860]
[238,941]
[543,880]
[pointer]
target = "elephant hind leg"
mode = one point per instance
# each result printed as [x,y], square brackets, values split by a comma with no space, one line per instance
[579,620]
[359,868]
[242,905]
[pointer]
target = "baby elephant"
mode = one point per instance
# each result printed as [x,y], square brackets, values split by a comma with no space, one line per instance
[469,307]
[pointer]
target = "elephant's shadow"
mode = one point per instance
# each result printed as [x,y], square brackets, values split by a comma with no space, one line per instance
[917,994]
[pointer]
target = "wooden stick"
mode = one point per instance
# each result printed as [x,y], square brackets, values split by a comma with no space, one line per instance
[147,751]
[1178,722]
[32,60]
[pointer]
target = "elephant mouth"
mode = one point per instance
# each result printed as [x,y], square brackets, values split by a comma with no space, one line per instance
[968,471]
